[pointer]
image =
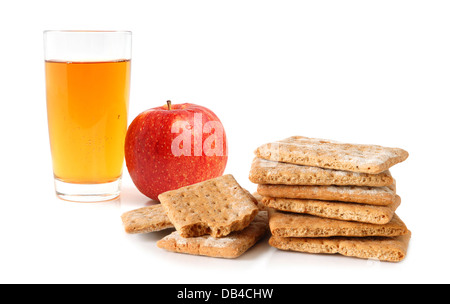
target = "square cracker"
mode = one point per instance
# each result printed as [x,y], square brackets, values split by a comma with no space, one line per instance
[217,207]
[330,154]
[304,225]
[272,172]
[388,249]
[381,196]
[146,219]
[231,246]
[336,210]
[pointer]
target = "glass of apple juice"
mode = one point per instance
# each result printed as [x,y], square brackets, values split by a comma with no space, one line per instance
[87,86]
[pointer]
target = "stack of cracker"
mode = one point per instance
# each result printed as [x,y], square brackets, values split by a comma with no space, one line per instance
[331,197]
[216,218]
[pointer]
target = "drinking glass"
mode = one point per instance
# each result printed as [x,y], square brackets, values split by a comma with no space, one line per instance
[87,86]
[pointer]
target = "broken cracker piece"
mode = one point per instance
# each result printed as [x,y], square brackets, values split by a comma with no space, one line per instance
[217,207]
[146,219]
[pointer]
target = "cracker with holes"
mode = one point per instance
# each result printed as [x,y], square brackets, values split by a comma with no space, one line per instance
[389,249]
[331,154]
[216,207]
[381,196]
[278,173]
[230,246]
[335,210]
[304,225]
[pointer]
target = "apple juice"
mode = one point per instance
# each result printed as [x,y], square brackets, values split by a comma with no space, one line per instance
[87,104]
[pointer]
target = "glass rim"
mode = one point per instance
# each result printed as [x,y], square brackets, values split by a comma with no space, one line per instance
[89,31]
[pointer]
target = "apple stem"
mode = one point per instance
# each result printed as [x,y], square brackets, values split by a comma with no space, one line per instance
[169,105]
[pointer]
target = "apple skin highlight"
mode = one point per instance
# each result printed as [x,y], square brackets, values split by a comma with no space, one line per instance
[173,146]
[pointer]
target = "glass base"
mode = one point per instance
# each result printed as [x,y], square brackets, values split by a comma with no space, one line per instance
[87,192]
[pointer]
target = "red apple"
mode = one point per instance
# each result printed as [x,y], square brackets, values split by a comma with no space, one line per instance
[174,146]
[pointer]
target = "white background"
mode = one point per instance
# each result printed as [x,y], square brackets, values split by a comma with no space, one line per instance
[373,72]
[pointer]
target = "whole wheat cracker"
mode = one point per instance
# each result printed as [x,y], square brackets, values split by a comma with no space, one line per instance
[304,225]
[388,249]
[217,207]
[381,196]
[335,210]
[231,246]
[271,172]
[331,154]
[146,219]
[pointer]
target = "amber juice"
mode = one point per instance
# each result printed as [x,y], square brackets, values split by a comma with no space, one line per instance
[87,104]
